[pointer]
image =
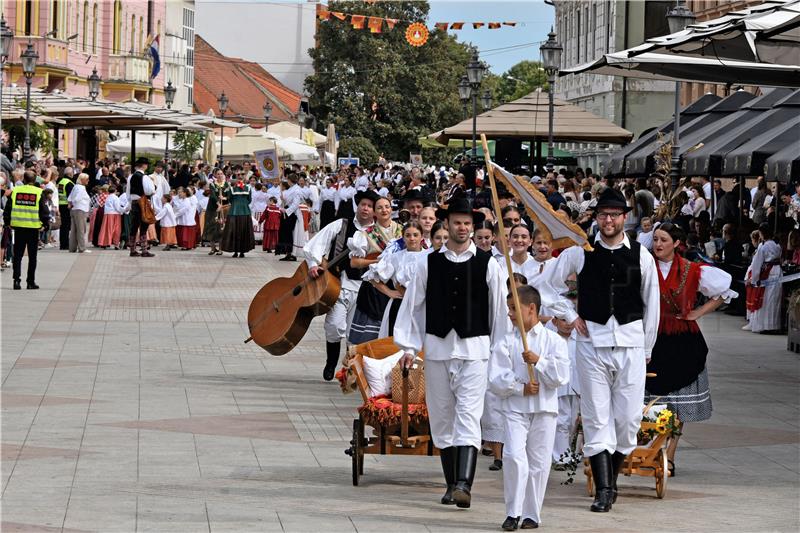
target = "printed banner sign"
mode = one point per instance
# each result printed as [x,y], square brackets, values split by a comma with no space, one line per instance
[267,161]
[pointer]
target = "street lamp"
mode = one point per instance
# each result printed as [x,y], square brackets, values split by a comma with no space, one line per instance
[267,113]
[551,59]
[475,72]
[464,95]
[6,36]
[678,18]
[486,100]
[28,57]
[301,118]
[222,102]
[169,98]
[94,84]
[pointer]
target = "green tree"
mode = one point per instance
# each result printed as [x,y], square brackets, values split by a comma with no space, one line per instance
[379,87]
[187,143]
[518,81]
[359,147]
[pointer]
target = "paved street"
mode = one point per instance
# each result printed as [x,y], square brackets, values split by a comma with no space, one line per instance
[130,403]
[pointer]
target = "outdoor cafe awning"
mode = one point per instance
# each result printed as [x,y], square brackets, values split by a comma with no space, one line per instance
[784,166]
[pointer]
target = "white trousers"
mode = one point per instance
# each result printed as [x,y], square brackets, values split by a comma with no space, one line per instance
[566,423]
[526,462]
[612,396]
[492,424]
[339,318]
[454,391]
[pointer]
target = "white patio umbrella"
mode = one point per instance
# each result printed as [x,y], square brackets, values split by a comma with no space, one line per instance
[147,142]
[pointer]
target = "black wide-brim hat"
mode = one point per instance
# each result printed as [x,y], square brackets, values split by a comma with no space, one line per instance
[612,198]
[366,195]
[462,206]
[413,194]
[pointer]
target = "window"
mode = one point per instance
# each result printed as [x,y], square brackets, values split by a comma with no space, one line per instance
[55,14]
[28,17]
[589,24]
[141,36]
[94,28]
[189,97]
[133,33]
[77,27]
[578,36]
[116,44]
[149,17]
[608,26]
[85,24]
[594,31]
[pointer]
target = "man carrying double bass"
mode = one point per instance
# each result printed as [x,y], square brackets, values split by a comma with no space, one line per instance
[332,242]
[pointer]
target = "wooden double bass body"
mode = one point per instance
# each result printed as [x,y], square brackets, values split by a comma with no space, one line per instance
[282,310]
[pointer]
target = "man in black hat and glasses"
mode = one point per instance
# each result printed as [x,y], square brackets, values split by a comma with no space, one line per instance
[139,186]
[617,321]
[456,311]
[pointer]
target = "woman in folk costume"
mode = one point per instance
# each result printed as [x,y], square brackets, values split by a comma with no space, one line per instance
[112,221]
[394,271]
[184,213]
[367,245]
[271,222]
[679,355]
[327,198]
[762,285]
[237,236]
[300,235]
[344,199]
[215,213]
[96,218]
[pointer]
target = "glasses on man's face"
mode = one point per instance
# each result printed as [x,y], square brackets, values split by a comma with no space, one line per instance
[605,215]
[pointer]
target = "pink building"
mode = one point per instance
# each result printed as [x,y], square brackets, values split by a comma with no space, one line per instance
[73,37]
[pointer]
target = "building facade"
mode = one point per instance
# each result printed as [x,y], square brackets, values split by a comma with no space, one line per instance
[178,55]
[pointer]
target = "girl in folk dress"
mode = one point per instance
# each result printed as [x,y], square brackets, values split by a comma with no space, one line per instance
[521,260]
[344,199]
[111,226]
[96,218]
[484,236]
[762,286]
[300,235]
[166,219]
[427,218]
[679,355]
[327,198]
[184,214]
[271,222]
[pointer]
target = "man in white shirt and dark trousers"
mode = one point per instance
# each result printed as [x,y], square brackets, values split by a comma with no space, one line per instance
[138,187]
[530,409]
[617,322]
[455,311]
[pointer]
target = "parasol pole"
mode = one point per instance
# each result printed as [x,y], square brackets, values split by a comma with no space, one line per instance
[504,249]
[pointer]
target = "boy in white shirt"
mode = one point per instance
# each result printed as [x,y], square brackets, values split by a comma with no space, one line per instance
[530,409]
[568,396]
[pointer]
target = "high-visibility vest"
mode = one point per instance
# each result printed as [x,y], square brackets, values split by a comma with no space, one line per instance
[62,190]
[25,207]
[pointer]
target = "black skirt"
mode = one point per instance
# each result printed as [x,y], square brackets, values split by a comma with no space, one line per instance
[677,360]
[371,301]
[346,210]
[98,223]
[286,235]
[237,236]
[327,213]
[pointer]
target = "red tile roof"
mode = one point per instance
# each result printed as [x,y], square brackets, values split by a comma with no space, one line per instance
[246,84]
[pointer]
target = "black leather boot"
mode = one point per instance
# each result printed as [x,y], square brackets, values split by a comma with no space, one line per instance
[602,475]
[448,458]
[332,360]
[465,473]
[617,460]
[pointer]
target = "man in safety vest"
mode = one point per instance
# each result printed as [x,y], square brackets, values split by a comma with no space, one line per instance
[26,214]
[65,185]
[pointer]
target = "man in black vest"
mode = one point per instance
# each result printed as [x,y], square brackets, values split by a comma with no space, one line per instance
[456,311]
[617,322]
[331,242]
[139,186]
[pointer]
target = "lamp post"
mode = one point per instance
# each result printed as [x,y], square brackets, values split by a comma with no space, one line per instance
[463,95]
[6,36]
[267,113]
[551,58]
[94,84]
[169,98]
[475,71]
[301,118]
[678,18]
[486,100]
[222,101]
[28,57]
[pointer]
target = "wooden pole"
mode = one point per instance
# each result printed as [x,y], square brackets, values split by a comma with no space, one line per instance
[504,249]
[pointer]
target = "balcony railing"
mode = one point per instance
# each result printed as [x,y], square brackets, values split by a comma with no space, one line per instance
[52,52]
[129,68]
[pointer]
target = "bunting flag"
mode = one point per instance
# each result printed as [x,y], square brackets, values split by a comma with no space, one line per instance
[476,25]
[441,26]
[512,24]
[375,24]
[456,25]
[494,25]
[324,14]
[358,21]
[339,15]
[391,23]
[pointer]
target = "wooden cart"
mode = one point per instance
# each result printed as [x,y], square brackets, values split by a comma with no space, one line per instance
[408,434]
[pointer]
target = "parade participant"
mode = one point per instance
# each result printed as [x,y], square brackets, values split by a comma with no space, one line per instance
[484,236]
[168,222]
[257,207]
[237,236]
[139,187]
[96,218]
[331,242]
[454,310]
[291,198]
[184,215]
[521,260]
[427,218]
[529,408]
[365,248]
[344,198]
[764,300]
[412,203]
[439,234]
[112,220]
[617,319]
[26,214]
[679,355]
[568,397]
[216,211]
[79,203]
[327,197]
[65,185]
[271,222]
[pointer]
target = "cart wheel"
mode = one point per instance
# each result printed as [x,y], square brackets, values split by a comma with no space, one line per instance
[589,481]
[662,473]
[361,444]
[355,451]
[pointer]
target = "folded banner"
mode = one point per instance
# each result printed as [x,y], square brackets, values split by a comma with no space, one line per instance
[267,161]
[562,232]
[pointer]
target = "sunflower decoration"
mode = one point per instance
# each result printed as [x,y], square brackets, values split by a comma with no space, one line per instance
[666,424]
[417,34]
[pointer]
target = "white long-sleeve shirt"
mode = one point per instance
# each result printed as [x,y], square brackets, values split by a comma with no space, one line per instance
[362,183]
[113,205]
[258,201]
[166,216]
[344,194]
[508,372]
[639,333]
[292,197]
[767,251]
[79,198]
[409,330]
[319,245]
[184,213]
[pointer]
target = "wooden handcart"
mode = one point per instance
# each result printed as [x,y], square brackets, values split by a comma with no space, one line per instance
[407,433]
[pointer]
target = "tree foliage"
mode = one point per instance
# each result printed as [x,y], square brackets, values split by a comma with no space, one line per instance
[379,87]
[521,79]
[187,143]
[359,147]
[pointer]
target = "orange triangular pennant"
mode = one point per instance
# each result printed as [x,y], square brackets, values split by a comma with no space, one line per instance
[339,15]
[494,25]
[509,24]
[391,23]
[358,21]
[456,25]
[324,14]
[375,24]
[476,25]
[441,26]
